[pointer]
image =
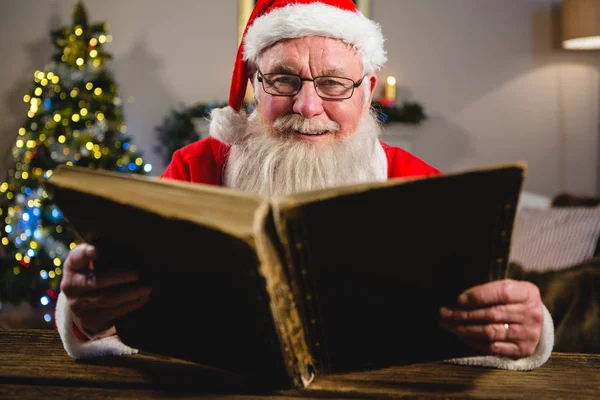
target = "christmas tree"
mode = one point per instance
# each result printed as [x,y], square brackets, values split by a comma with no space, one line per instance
[75,117]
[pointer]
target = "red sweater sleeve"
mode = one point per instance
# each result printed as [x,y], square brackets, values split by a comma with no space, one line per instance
[403,164]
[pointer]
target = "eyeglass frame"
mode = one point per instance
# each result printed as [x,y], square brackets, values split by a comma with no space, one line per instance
[355,85]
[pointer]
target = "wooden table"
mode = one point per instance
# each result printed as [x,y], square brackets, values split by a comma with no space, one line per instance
[33,364]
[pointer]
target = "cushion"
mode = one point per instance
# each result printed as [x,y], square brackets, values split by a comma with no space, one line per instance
[535,200]
[554,238]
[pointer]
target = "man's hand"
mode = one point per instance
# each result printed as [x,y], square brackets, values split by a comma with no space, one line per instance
[97,298]
[502,318]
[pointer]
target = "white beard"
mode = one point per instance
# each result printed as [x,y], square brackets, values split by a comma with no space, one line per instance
[263,163]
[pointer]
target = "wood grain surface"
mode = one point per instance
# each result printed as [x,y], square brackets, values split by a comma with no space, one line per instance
[33,364]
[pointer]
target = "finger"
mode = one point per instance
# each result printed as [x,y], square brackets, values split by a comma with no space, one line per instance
[101,319]
[511,313]
[513,350]
[79,257]
[498,292]
[108,298]
[81,283]
[504,349]
[489,332]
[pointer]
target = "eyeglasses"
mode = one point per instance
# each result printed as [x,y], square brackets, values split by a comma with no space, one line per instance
[327,87]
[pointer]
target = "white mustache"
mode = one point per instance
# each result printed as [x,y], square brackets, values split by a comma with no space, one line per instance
[297,123]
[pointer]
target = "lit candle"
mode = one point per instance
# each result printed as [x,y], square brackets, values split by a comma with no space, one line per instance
[390,89]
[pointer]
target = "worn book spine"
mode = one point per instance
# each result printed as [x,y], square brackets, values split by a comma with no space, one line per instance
[296,253]
[284,308]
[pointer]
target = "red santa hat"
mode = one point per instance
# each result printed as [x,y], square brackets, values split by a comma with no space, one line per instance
[274,20]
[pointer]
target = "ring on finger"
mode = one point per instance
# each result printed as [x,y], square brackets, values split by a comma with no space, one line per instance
[506,330]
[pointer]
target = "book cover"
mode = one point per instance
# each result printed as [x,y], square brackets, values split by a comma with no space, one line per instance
[348,278]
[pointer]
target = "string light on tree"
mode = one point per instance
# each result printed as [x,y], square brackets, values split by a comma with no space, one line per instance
[74,117]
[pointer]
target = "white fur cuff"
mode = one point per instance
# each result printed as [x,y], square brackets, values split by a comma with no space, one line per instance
[541,355]
[227,125]
[109,346]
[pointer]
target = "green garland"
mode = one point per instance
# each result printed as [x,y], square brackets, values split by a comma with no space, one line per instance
[178,129]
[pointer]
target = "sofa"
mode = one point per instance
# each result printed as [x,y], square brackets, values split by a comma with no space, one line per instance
[556,245]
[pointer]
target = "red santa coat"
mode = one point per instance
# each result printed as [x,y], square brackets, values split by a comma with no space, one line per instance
[203,162]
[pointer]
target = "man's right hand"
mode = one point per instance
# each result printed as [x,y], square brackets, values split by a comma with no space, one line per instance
[97,298]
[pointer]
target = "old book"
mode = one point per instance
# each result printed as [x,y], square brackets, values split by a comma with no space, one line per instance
[278,290]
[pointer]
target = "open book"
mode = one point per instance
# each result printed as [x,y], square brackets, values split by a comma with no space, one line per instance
[281,289]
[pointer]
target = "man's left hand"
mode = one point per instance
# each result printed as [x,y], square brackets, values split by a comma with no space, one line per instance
[502,318]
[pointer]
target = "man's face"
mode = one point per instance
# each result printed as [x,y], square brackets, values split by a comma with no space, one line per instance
[310,57]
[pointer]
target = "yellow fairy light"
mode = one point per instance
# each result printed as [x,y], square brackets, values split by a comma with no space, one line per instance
[58,271]
[57,262]
[74,92]
[89,86]
[38,91]
[30,144]
[80,61]
[120,162]
[26,98]
[139,161]
[78,31]
[50,75]
[10,195]
[23,237]
[40,75]
[63,95]
[59,229]
[57,89]
[93,53]
[102,39]
[93,42]
[99,116]
[5,241]
[51,274]
[57,117]
[75,117]
[44,82]
[133,148]
[72,246]
[98,91]
[33,244]
[62,139]
[96,63]
[83,112]
[16,270]
[69,163]
[18,256]
[65,122]
[97,155]
[105,151]
[3,187]
[19,143]
[55,79]
[43,137]
[30,114]
[89,145]
[26,259]
[25,175]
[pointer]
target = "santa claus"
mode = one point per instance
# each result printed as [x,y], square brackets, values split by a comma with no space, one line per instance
[313,66]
